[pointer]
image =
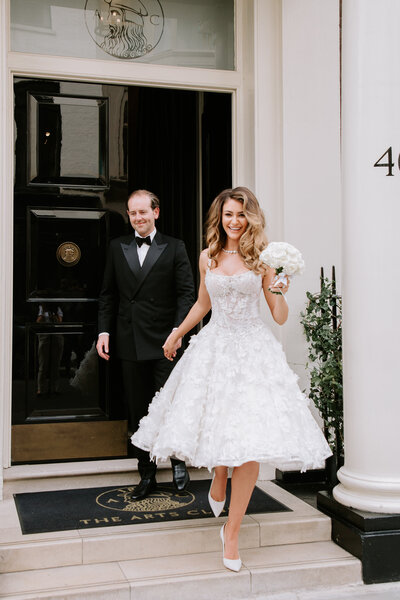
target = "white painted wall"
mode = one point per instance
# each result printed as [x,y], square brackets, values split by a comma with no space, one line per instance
[297,146]
[311,186]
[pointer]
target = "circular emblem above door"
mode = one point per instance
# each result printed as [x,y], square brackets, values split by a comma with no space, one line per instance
[125,29]
[68,254]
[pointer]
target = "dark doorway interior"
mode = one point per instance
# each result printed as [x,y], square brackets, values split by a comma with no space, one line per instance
[167,156]
[80,149]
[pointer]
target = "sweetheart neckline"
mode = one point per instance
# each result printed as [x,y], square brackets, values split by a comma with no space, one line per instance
[233,275]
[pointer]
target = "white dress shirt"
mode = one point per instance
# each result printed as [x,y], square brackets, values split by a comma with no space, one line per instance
[144,248]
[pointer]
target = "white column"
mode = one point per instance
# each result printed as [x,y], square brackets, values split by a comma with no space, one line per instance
[370,478]
[6,228]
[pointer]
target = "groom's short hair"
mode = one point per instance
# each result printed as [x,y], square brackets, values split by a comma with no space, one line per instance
[154,201]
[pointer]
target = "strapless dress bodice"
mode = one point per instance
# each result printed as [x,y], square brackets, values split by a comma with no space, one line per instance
[234,298]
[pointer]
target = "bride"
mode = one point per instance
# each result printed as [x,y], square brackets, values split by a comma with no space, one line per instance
[232,400]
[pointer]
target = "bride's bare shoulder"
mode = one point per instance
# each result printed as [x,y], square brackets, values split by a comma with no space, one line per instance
[204,256]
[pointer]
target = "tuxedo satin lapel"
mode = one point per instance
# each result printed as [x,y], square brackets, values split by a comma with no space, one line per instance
[131,255]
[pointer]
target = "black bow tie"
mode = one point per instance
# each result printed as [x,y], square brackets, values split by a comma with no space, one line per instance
[145,240]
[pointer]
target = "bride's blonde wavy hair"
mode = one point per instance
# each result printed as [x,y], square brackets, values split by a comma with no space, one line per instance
[253,240]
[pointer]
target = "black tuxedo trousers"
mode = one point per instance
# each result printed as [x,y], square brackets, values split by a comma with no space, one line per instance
[142,379]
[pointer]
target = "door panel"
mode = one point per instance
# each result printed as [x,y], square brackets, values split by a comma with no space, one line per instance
[68,441]
[66,251]
[68,204]
[66,373]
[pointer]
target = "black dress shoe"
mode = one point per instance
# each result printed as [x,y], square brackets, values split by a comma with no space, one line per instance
[144,488]
[180,476]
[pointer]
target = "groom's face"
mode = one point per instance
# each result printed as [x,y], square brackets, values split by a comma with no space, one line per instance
[141,215]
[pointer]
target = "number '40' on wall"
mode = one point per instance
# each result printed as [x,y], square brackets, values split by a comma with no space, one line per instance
[386,161]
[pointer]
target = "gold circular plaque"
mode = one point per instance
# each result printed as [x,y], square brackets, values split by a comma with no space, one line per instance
[68,254]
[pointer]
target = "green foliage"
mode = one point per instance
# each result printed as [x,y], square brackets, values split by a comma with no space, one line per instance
[322,323]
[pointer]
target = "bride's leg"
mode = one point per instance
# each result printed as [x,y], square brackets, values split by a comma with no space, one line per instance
[243,481]
[218,489]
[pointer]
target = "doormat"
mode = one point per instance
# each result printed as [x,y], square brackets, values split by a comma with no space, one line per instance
[41,512]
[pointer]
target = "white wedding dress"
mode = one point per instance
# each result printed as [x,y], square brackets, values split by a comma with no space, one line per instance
[232,398]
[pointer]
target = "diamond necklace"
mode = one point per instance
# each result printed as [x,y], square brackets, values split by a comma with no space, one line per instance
[230,251]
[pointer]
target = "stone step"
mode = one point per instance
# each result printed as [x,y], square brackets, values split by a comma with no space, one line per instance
[191,576]
[172,559]
[20,552]
[100,473]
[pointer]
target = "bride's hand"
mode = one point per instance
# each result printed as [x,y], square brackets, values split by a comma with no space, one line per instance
[281,287]
[171,345]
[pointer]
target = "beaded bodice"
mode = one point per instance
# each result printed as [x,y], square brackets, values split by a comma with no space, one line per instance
[234,298]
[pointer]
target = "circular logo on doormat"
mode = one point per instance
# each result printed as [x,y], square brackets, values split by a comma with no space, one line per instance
[127,29]
[162,499]
[68,254]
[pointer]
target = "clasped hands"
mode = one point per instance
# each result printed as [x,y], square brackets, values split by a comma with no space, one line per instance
[172,345]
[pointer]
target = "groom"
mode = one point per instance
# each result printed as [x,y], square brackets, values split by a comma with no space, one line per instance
[147,291]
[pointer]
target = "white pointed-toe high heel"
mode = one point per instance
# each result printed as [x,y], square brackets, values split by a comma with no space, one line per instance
[234,564]
[216,507]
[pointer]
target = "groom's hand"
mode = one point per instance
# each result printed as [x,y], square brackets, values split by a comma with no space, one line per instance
[102,346]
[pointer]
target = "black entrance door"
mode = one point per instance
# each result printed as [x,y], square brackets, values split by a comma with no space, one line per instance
[80,149]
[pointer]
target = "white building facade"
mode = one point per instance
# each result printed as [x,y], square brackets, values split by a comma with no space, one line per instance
[280,65]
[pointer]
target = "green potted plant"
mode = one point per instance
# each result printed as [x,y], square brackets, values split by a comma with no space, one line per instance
[322,324]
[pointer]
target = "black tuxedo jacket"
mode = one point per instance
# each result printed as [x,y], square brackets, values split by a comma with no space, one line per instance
[140,305]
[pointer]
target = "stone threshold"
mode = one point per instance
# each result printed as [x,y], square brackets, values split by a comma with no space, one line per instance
[70,469]
[98,467]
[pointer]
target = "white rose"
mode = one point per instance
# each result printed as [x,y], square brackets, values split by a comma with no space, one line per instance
[281,255]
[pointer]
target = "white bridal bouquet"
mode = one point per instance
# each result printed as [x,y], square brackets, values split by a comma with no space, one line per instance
[285,259]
